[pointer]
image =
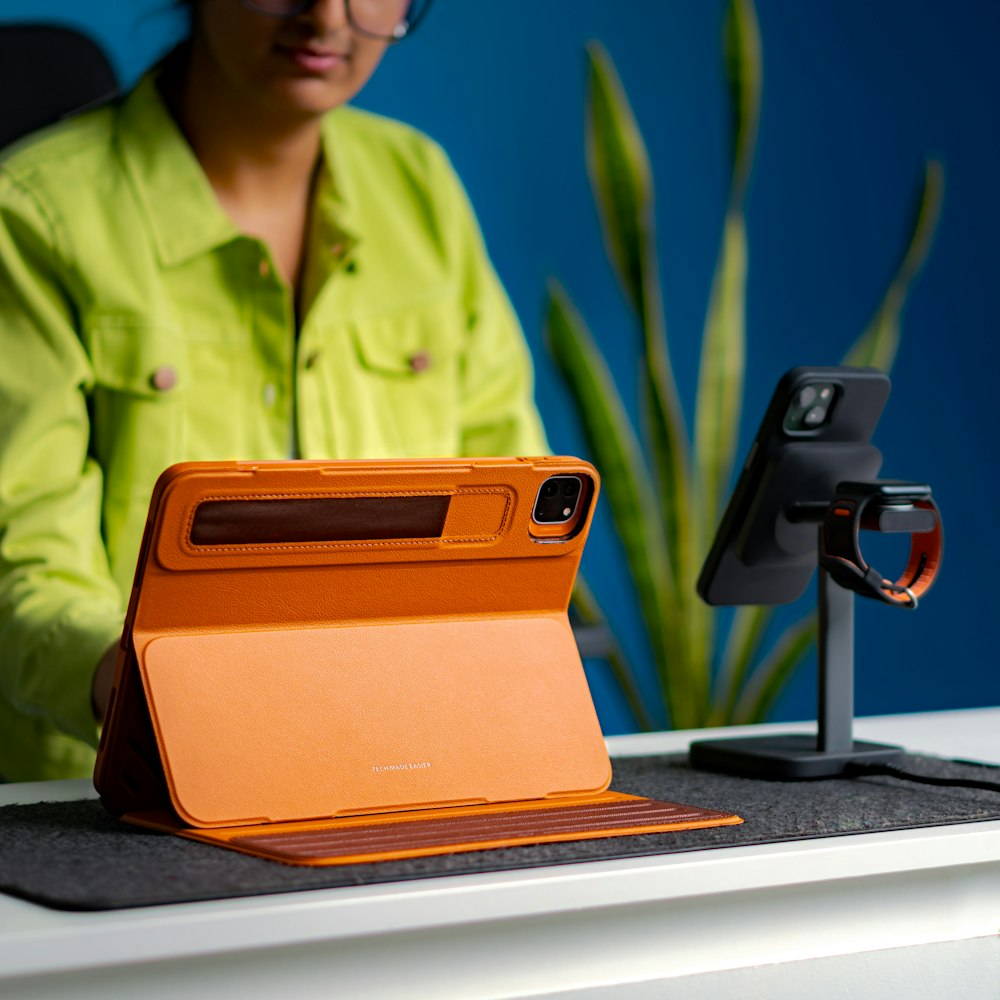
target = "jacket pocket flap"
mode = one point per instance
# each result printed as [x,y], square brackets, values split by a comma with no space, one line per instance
[408,344]
[138,359]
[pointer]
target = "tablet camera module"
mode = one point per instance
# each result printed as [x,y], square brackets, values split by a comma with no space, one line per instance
[557,499]
[810,408]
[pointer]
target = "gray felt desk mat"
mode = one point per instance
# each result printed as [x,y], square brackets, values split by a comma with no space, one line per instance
[73,855]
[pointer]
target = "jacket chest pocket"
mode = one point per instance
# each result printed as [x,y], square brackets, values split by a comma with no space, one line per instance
[141,378]
[408,371]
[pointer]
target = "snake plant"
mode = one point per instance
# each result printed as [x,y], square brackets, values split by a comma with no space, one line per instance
[665,487]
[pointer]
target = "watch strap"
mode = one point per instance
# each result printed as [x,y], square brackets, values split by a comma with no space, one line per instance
[841,557]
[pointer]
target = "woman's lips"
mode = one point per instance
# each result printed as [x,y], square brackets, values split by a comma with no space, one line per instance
[315,61]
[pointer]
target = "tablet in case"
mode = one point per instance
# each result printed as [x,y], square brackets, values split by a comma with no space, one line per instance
[327,662]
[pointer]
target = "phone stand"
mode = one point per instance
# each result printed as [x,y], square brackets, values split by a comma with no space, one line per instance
[801,756]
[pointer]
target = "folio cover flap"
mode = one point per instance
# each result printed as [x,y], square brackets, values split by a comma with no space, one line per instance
[447,831]
[279,725]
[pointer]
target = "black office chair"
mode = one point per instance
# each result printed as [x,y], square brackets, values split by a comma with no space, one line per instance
[47,72]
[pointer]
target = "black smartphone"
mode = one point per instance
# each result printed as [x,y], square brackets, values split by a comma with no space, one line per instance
[815,434]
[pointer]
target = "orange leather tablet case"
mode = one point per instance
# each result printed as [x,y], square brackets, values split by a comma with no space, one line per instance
[312,642]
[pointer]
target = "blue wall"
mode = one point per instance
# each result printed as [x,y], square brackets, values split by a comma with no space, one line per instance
[856,96]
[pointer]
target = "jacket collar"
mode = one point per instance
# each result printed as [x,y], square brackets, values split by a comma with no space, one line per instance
[184,214]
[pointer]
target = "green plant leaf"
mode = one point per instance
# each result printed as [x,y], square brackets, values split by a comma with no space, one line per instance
[667,436]
[622,183]
[717,422]
[619,174]
[744,74]
[720,379]
[668,440]
[589,611]
[723,346]
[768,680]
[746,634]
[618,457]
[877,346]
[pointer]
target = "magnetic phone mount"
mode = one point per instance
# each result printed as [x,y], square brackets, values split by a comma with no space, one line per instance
[885,506]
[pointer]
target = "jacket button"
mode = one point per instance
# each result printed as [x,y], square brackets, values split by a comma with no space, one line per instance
[164,378]
[420,361]
[311,359]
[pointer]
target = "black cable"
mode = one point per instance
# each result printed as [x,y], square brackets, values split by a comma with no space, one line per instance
[860,769]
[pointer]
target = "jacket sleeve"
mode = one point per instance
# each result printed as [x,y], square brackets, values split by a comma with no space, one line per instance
[498,411]
[59,607]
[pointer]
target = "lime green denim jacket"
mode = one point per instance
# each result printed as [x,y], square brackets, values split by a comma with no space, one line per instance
[139,328]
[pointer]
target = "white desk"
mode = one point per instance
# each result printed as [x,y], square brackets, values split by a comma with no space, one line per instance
[914,913]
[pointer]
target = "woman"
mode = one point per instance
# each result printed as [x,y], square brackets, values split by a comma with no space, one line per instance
[219,267]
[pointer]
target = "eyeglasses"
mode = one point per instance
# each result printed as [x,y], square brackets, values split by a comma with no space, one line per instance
[386,20]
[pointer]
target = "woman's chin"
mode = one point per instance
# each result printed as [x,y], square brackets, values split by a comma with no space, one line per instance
[303,99]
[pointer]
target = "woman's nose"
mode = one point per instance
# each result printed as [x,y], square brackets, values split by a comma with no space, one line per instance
[328,15]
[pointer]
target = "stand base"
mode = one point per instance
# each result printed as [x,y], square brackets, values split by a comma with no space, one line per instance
[785,758]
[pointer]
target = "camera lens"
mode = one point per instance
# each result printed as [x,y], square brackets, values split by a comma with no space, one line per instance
[570,488]
[550,489]
[810,408]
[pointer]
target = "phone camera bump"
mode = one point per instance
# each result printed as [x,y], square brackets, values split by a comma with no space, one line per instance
[557,499]
[810,408]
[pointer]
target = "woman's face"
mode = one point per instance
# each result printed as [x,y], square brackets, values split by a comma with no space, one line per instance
[298,66]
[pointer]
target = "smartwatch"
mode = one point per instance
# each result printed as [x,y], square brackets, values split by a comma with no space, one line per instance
[885,505]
